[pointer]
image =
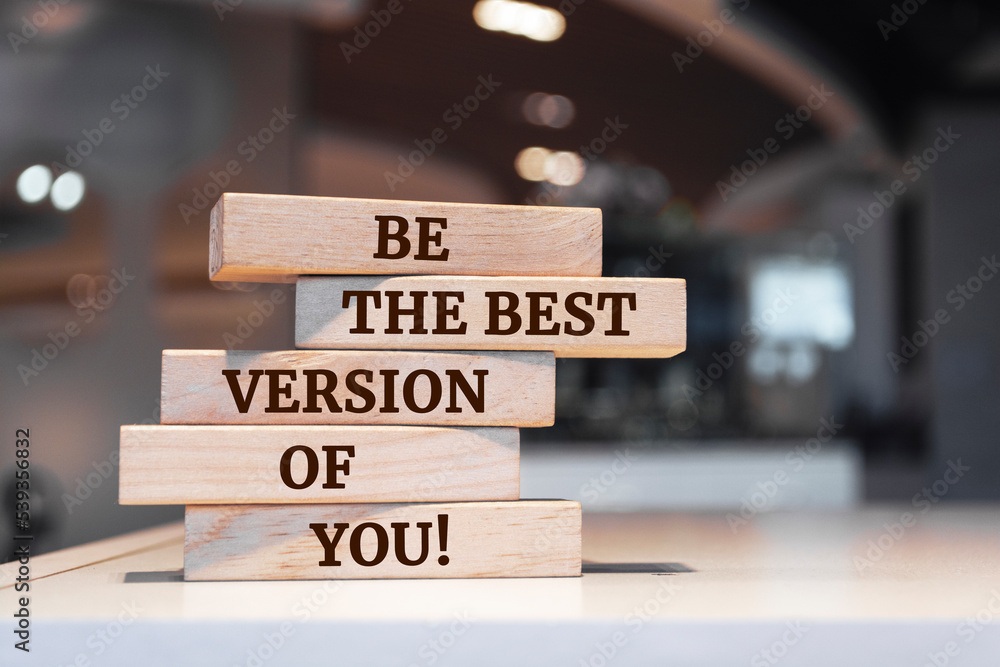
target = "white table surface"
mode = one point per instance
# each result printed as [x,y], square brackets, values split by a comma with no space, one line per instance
[786,588]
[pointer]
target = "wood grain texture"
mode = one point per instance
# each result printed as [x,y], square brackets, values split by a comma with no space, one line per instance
[176,465]
[649,319]
[518,388]
[274,238]
[527,538]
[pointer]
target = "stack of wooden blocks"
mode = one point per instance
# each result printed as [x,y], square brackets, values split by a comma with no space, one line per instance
[387,445]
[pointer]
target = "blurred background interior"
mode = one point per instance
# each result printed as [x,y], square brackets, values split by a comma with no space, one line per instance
[824,175]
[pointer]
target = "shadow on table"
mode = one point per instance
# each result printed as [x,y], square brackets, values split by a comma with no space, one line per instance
[159,577]
[635,568]
[165,576]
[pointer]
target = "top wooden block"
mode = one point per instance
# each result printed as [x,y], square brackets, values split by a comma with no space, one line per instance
[275,238]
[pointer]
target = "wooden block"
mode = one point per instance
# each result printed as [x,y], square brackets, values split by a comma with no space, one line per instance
[574,317]
[527,538]
[368,387]
[176,465]
[274,238]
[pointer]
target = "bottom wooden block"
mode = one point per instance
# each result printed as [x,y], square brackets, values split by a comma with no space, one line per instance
[519,538]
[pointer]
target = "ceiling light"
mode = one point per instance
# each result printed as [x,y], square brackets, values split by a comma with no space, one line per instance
[530,163]
[542,24]
[548,110]
[564,168]
[68,191]
[558,167]
[34,183]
